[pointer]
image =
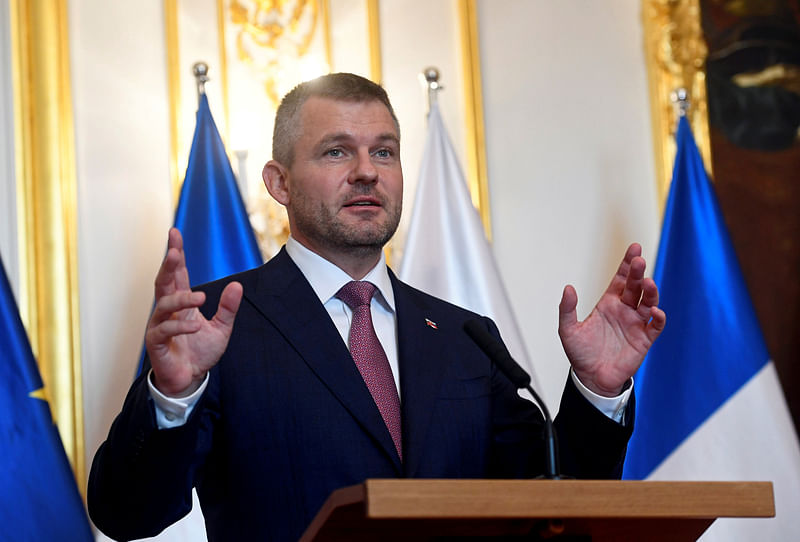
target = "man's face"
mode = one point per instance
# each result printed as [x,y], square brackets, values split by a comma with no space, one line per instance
[345,186]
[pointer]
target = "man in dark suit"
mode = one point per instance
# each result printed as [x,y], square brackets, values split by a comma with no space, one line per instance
[254,399]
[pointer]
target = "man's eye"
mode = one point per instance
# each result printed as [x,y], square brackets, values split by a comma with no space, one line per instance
[335,153]
[383,153]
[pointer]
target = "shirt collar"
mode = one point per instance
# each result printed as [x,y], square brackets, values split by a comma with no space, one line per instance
[326,278]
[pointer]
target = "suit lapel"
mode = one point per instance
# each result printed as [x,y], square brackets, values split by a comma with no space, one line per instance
[421,350]
[285,298]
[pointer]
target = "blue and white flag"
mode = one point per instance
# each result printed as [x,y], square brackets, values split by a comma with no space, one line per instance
[39,498]
[709,405]
[446,252]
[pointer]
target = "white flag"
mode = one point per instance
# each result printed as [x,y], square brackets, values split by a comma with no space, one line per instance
[446,252]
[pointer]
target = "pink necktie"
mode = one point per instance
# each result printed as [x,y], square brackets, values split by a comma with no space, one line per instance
[370,357]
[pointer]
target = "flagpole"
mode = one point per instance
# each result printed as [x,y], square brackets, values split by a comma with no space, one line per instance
[431,76]
[680,99]
[200,71]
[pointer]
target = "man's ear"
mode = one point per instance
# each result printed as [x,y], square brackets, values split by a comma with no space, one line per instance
[276,178]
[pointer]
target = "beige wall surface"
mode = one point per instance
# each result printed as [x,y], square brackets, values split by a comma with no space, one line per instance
[571,172]
[124,193]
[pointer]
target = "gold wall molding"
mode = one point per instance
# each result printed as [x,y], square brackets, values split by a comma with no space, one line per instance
[374,37]
[173,94]
[477,175]
[223,70]
[46,182]
[675,53]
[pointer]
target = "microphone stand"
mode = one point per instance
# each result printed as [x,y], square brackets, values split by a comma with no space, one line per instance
[522,380]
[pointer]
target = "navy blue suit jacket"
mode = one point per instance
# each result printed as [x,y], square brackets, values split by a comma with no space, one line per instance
[286,419]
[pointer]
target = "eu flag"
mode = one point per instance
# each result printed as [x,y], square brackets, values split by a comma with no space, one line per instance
[39,498]
[217,237]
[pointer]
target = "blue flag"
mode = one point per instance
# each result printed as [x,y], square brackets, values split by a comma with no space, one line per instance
[712,344]
[217,236]
[39,498]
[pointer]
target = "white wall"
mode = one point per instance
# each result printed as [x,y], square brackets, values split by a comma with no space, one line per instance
[569,151]
[124,192]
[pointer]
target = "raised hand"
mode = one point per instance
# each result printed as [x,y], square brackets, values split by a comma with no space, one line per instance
[181,343]
[607,348]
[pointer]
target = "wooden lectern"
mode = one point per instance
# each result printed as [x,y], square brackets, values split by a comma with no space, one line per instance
[414,510]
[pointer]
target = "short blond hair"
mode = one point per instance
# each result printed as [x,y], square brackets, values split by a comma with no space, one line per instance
[336,86]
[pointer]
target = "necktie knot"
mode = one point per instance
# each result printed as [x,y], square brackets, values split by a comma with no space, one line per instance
[356,293]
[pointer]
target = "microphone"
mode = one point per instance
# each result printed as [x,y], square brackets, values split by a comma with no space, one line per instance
[500,356]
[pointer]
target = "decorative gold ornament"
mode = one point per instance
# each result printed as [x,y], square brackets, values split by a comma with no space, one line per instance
[272,35]
[675,54]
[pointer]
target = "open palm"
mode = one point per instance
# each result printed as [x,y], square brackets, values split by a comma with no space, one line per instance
[181,343]
[607,348]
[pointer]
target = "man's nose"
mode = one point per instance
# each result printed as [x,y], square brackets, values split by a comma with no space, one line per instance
[364,170]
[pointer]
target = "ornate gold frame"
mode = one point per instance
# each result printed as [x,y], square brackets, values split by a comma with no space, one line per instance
[675,53]
[477,175]
[47,201]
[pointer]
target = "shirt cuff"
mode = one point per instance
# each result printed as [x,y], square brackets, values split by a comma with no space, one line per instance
[612,407]
[172,412]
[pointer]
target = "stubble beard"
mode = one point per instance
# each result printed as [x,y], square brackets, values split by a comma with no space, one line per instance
[362,239]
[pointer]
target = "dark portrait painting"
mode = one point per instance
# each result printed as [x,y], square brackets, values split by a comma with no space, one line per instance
[753,78]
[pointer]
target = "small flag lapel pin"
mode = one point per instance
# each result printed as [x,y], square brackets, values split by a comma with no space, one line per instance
[431,323]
